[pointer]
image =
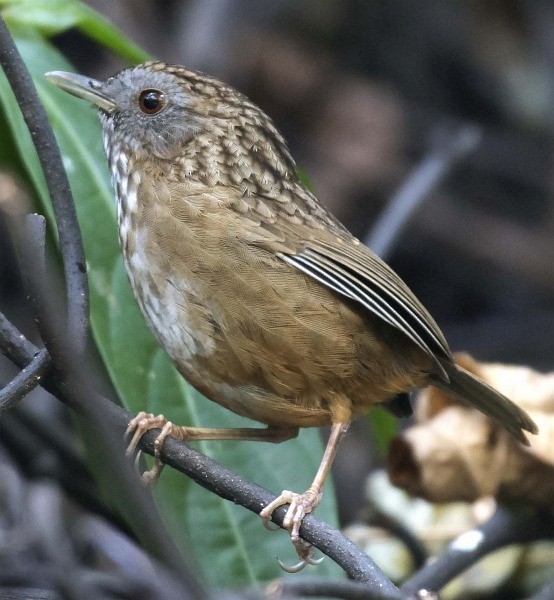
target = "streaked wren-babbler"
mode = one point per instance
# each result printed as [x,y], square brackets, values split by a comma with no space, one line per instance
[263,300]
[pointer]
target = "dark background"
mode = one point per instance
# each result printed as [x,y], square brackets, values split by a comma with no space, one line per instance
[362,91]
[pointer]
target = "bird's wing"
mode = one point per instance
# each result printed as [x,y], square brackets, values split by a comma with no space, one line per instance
[351,269]
[306,236]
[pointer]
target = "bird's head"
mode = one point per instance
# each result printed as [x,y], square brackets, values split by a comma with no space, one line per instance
[167,112]
[150,108]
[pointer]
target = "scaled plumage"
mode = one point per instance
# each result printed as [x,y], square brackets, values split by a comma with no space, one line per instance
[262,299]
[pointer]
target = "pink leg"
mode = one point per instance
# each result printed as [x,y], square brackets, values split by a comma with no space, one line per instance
[143,422]
[303,504]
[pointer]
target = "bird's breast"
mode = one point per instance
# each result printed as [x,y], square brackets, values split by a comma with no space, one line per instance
[172,302]
[242,325]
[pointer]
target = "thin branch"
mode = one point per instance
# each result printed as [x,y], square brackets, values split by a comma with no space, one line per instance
[64,348]
[107,419]
[68,381]
[419,185]
[25,382]
[39,288]
[205,471]
[58,186]
[15,345]
[63,354]
[417,549]
[505,527]
[323,588]
[57,440]
[230,486]
[38,459]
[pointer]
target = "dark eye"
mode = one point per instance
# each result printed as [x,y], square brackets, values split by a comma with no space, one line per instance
[151,101]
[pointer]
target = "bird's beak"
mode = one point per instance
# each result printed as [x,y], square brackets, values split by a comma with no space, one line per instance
[83,87]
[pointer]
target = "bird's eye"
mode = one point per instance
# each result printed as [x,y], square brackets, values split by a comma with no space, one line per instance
[151,101]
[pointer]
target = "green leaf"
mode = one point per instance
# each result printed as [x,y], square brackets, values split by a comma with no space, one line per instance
[230,542]
[384,427]
[304,179]
[9,157]
[52,17]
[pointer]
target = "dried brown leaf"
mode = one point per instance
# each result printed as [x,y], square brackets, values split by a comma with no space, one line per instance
[454,452]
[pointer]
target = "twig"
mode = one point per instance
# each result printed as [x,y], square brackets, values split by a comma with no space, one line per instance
[65,341]
[399,530]
[58,186]
[208,473]
[321,588]
[230,486]
[69,382]
[57,440]
[15,345]
[25,381]
[503,528]
[38,459]
[421,182]
[39,289]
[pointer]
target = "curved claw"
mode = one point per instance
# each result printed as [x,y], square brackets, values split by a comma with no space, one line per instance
[306,554]
[269,525]
[295,568]
[137,460]
[149,478]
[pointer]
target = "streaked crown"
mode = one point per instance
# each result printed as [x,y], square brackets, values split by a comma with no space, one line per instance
[167,112]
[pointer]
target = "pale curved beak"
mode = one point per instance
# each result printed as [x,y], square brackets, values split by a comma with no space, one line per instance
[82,87]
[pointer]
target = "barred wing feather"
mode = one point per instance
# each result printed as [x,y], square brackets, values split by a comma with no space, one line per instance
[356,273]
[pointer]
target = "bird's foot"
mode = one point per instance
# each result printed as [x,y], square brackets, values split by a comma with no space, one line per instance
[138,426]
[300,506]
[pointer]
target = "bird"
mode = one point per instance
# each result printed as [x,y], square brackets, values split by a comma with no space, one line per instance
[263,300]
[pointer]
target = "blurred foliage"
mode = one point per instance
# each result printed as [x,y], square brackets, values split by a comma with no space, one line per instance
[51,17]
[515,569]
[230,542]
[384,428]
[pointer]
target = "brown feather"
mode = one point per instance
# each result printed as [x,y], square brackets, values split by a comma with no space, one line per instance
[263,300]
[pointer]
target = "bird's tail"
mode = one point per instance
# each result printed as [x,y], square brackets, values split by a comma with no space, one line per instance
[486,399]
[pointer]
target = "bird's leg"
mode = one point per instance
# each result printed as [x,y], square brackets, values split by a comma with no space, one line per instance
[303,504]
[143,422]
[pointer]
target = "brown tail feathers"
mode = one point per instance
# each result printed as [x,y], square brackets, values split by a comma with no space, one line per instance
[486,399]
